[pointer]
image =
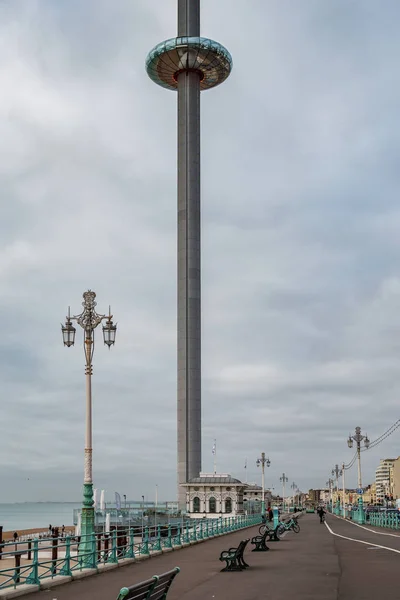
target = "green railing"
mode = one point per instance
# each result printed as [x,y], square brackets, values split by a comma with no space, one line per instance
[31,562]
[383,519]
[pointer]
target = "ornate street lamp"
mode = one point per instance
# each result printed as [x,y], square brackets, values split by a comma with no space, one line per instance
[293,487]
[284,480]
[262,462]
[88,319]
[329,483]
[358,438]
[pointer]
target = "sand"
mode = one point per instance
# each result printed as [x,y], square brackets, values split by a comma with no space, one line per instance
[8,535]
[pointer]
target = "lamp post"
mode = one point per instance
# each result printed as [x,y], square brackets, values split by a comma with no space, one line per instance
[344,491]
[284,480]
[329,483]
[293,487]
[88,319]
[142,517]
[358,438]
[155,509]
[262,462]
[336,473]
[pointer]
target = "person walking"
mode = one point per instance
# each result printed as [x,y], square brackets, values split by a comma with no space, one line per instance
[321,513]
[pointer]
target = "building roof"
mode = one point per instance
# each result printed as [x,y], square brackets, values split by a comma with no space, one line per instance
[217,480]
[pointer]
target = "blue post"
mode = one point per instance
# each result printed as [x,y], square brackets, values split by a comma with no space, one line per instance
[360,512]
[275,511]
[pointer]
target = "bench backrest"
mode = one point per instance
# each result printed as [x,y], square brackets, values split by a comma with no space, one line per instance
[155,588]
[164,581]
[241,547]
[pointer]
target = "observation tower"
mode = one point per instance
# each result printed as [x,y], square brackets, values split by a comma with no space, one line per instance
[189,64]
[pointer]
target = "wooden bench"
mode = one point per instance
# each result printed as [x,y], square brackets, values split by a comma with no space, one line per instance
[234,557]
[155,588]
[259,540]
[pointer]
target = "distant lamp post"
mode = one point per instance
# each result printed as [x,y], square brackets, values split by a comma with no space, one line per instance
[329,483]
[262,462]
[284,480]
[88,319]
[358,438]
[293,487]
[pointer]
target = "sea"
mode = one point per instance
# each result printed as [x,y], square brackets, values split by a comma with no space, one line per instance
[29,515]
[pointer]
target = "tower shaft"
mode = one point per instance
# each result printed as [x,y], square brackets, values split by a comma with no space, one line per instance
[189,18]
[189,63]
[189,261]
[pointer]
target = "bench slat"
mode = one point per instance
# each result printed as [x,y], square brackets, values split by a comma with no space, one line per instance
[155,588]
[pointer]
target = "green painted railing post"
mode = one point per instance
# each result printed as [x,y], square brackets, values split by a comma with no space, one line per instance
[158,543]
[207,529]
[187,539]
[144,546]
[178,537]
[131,549]
[33,576]
[200,533]
[112,556]
[66,568]
[93,557]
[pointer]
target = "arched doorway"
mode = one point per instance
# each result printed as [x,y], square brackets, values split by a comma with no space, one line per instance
[228,505]
[212,505]
[196,504]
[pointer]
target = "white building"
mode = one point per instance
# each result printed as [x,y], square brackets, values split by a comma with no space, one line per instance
[384,479]
[252,496]
[213,495]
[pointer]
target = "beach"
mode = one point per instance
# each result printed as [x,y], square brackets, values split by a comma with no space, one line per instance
[8,535]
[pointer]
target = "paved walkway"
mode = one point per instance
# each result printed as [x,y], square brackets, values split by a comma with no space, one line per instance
[302,566]
[336,561]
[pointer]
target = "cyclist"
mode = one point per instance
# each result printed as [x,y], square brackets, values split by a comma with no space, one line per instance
[321,513]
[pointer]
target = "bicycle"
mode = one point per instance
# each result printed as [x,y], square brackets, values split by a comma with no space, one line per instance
[290,525]
[264,527]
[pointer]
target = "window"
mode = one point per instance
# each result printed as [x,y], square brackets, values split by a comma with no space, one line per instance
[228,489]
[212,489]
[196,489]
[212,505]
[228,505]
[196,504]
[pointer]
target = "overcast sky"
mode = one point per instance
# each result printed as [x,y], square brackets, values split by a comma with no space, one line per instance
[301,245]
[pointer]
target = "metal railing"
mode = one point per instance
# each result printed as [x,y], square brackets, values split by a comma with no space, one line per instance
[389,520]
[39,559]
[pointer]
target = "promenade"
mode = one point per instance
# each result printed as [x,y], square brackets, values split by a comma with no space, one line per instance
[336,561]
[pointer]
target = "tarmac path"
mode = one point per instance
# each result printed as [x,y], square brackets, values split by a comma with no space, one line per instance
[335,561]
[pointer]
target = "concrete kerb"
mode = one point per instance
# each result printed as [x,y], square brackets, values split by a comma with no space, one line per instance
[50,582]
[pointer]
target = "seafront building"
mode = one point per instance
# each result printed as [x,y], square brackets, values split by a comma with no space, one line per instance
[189,64]
[213,494]
[384,480]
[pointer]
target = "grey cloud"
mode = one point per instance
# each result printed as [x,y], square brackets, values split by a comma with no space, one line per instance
[300,240]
